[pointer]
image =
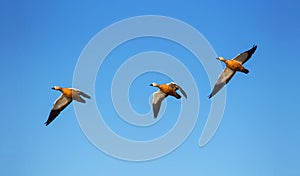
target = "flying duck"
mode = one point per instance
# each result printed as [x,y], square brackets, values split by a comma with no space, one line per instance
[68,94]
[232,66]
[163,92]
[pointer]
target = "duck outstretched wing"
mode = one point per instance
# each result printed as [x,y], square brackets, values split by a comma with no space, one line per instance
[245,56]
[157,98]
[176,87]
[79,92]
[223,79]
[60,104]
[182,91]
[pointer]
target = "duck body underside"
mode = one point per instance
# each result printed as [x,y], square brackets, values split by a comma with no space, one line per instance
[236,66]
[169,91]
[67,92]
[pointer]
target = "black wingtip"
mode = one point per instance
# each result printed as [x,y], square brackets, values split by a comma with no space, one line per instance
[53,114]
[252,50]
[209,96]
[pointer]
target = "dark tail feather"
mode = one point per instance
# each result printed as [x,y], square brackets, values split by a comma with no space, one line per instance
[245,71]
[177,96]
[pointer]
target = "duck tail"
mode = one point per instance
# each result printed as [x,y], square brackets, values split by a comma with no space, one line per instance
[177,96]
[245,71]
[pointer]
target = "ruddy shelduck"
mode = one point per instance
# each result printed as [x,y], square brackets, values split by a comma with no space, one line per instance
[232,66]
[67,96]
[162,93]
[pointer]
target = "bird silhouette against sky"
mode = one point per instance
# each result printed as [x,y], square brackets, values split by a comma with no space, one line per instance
[164,91]
[232,66]
[67,96]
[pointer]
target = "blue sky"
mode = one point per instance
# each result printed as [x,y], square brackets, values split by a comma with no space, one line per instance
[42,41]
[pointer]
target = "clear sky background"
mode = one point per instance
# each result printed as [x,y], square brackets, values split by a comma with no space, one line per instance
[259,134]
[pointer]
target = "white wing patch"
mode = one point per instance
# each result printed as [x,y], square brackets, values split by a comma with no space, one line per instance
[241,58]
[245,56]
[158,97]
[223,79]
[61,102]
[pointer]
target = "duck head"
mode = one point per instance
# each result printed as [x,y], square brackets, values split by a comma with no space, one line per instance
[56,88]
[221,59]
[154,84]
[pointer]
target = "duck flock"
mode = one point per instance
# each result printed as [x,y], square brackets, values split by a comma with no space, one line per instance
[232,66]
